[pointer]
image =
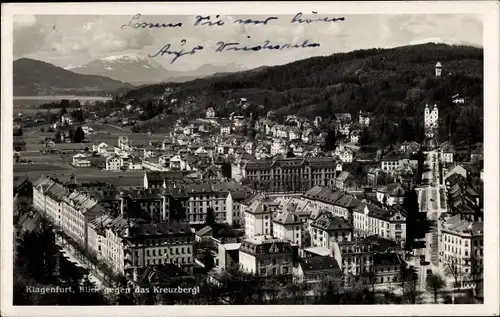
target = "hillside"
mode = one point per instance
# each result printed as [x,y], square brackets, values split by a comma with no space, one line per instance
[392,84]
[32,77]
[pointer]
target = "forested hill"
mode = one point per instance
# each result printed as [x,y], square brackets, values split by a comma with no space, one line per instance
[391,83]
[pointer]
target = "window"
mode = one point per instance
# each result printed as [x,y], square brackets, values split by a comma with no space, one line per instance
[147,252]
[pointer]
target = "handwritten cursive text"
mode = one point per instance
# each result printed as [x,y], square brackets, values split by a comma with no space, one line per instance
[134,23]
[166,50]
[201,20]
[235,46]
[298,16]
[255,22]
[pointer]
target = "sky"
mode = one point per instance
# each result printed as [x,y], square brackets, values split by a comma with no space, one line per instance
[74,40]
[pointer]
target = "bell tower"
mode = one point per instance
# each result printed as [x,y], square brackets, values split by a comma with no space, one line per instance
[438,69]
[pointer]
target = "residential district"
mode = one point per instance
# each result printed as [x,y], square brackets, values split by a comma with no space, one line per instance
[213,202]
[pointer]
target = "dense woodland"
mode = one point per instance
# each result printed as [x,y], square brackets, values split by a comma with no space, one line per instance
[393,84]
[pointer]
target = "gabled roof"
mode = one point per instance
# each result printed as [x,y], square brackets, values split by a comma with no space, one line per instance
[287,219]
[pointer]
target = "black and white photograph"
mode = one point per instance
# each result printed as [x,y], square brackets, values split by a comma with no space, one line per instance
[232,156]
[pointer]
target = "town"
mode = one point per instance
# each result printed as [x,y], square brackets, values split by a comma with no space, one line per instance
[256,210]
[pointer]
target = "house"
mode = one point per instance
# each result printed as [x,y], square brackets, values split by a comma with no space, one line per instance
[210,113]
[391,194]
[204,233]
[113,163]
[447,152]
[345,153]
[288,226]
[66,119]
[477,154]
[135,164]
[123,142]
[80,160]
[354,137]
[266,256]
[387,267]
[364,119]
[456,99]
[101,149]
[327,228]
[315,270]
[345,181]
[457,169]
[392,161]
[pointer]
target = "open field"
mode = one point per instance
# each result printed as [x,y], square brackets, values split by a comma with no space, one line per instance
[34,171]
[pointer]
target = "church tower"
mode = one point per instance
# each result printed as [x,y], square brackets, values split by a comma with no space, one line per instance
[438,69]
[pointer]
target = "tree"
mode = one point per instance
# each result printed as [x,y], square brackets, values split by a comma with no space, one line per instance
[78,116]
[410,204]
[435,283]
[330,140]
[210,218]
[79,135]
[453,268]
[289,153]
[208,260]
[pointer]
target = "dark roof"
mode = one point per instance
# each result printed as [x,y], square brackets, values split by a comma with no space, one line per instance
[387,259]
[160,229]
[319,263]
[328,222]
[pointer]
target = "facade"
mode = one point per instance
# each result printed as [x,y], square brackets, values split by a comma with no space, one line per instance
[461,248]
[291,174]
[326,229]
[159,243]
[288,226]
[258,217]
[387,268]
[80,160]
[266,256]
[313,271]
[387,223]
[113,163]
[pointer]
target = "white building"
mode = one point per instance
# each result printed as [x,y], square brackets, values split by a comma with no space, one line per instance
[438,69]
[80,160]
[461,248]
[113,163]
[225,130]
[210,113]
[431,117]
[266,256]
[258,218]
[288,226]
[47,198]
[101,149]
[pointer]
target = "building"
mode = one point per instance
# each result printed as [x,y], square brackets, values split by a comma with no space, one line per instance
[364,119]
[391,194]
[327,228]
[288,226]
[315,270]
[225,130]
[157,244]
[266,256]
[355,259]
[461,248]
[77,211]
[48,195]
[392,161]
[438,69]
[387,267]
[447,152]
[210,113]
[154,179]
[431,118]
[258,217]
[113,163]
[290,174]
[387,223]
[80,160]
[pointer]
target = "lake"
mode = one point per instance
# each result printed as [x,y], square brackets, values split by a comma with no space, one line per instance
[38,100]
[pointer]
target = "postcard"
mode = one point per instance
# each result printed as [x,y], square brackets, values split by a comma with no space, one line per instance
[301,158]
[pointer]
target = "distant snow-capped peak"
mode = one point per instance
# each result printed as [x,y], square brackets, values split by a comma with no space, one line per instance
[130,58]
[438,40]
[71,67]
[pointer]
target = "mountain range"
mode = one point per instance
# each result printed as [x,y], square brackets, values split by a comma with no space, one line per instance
[138,70]
[33,77]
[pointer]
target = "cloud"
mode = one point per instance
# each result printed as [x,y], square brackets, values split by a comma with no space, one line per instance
[91,35]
